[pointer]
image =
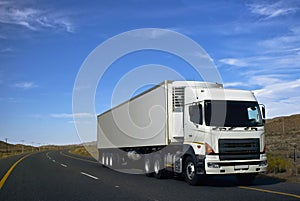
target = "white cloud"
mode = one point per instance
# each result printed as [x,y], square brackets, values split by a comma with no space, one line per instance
[5,50]
[235,84]
[25,85]
[71,115]
[287,46]
[263,80]
[265,62]
[234,62]
[271,10]
[13,13]
[281,97]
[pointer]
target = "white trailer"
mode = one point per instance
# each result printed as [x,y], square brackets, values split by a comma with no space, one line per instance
[187,128]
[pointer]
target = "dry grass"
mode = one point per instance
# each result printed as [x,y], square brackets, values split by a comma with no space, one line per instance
[81,151]
[7,150]
[88,150]
[281,135]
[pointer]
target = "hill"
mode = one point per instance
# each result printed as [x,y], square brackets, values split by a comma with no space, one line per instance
[7,149]
[282,133]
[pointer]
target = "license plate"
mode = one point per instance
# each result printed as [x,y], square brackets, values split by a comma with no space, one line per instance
[241,167]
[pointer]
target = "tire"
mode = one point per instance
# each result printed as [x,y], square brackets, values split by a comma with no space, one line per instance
[245,179]
[159,171]
[107,160]
[148,167]
[190,172]
[103,160]
[110,160]
[116,161]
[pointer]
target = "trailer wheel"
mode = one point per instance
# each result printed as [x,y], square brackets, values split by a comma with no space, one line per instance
[116,161]
[110,160]
[107,160]
[190,172]
[159,171]
[148,167]
[103,159]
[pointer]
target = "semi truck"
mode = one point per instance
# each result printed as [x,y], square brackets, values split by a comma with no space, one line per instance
[186,128]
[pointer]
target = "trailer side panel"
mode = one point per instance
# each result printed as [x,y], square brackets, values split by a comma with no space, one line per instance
[136,123]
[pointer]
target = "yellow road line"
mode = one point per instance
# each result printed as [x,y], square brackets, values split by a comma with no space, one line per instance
[10,170]
[269,191]
[81,159]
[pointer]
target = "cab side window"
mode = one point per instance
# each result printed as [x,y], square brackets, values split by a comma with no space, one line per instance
[195,112]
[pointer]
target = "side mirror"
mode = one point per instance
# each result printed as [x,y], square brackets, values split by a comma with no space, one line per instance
[263,112]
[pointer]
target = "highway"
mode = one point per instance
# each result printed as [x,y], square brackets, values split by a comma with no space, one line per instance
[58,175]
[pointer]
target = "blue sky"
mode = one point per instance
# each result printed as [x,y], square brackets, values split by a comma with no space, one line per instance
[255,45]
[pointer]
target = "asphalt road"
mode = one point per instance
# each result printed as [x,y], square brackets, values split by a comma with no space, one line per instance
[58,175]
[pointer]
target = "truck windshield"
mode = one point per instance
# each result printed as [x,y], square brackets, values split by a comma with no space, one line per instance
[232,113]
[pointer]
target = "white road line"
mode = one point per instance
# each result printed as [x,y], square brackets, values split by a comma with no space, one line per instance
[63,165]
[47,154]
[53,161]
[91,176]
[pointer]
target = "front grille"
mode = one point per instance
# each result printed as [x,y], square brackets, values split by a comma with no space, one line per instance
[239,149]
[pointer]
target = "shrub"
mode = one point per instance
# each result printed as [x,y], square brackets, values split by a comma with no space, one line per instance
[278,164]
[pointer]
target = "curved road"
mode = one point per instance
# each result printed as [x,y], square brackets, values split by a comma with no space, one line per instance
[58,175]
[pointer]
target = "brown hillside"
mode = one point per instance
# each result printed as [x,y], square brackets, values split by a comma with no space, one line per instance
[282,133]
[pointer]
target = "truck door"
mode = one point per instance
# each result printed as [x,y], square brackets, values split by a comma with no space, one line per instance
[193,123]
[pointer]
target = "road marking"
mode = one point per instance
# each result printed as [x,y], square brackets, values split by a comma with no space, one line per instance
[47,154]
[10,170]
[61,153]
[269,191]
[91,176]
[53,161]
[63,165]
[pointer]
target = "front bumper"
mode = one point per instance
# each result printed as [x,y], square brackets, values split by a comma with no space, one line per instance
[215,166]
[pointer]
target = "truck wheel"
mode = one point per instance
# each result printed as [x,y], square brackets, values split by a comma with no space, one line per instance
[190,172]
[245,179]
[148,167]
[103,159]
[159,171]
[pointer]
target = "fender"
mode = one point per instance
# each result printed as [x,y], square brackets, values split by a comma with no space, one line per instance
[199,159]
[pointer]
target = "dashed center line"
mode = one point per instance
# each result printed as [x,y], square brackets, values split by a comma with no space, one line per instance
[88,175]
[63,165]
[47,154]
[53,161]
